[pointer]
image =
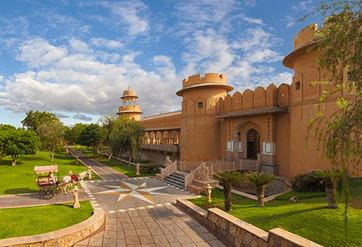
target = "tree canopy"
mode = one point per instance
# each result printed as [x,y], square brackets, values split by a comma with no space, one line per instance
[125,136]
[92,136]
[51,134]
[73,133]
[33,119]
[16,142]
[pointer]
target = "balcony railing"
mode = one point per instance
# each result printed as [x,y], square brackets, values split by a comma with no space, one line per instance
[171,148]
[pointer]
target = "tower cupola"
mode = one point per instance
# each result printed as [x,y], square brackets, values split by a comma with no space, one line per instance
[130,107]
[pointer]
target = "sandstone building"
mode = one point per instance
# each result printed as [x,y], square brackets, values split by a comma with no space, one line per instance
[264,128]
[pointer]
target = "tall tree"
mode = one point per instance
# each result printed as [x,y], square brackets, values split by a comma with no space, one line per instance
[33,119]
[73,133]
[51,134]
[17,142]
[339,50]
[92,136]
[125,136]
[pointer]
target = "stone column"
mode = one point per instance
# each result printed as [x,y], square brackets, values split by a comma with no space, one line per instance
[76,203]
[137,169]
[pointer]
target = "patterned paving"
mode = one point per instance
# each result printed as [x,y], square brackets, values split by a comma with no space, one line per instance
[115,195]
[163,225]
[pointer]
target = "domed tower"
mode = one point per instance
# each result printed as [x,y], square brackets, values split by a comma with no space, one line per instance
[129,107]
[200,130]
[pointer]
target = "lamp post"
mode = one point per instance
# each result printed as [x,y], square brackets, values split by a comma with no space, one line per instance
[137,169]
[209,190]
[76,203]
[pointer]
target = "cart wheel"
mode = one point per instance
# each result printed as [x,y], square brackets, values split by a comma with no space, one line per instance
[49,194]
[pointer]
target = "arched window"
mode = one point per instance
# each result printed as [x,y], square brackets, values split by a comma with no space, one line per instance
[252,144]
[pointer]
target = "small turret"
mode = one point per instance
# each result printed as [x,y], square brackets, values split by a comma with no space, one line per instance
[129,106]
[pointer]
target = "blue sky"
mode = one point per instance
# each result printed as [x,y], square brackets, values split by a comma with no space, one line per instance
[74,58]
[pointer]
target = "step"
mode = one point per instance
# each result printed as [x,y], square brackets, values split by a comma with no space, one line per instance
[180,173]
[175,182]
[176,179]
[178,185]
[177,175]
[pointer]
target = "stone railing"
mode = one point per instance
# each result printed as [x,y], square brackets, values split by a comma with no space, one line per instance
[191,176]
[214,166]
[235,232]
[171,148]
[63,237]
[168,170]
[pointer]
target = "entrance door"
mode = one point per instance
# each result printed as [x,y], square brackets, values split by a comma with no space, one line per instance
[253,144]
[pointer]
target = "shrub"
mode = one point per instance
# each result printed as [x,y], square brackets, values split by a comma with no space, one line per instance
[309,182]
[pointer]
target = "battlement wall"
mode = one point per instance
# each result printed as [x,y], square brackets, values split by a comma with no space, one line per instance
[208,78]
[305,36]
[258,98]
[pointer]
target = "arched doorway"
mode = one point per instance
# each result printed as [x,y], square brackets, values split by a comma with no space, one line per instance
[252,144]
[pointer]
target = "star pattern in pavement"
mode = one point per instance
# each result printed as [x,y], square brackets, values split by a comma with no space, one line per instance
[137,191]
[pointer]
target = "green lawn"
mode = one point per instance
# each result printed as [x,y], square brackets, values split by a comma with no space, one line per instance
[41,219]
[128,170]
[308,218]
[21,178]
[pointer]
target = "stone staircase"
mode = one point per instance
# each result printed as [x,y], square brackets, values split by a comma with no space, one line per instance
[176,179]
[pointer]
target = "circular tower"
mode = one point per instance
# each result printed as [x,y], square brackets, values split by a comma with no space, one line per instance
[200,130]
[129,107]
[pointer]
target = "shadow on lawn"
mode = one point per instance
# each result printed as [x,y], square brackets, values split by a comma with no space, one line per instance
[295,212]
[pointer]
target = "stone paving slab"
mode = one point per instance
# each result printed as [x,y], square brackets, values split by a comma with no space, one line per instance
[158,226]
[35,199]
[113,195]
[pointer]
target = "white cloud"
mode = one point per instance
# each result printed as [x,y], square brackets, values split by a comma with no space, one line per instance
[253,20]
[80,83]
[106,43]
[38,52]
[78,45]
[130,13]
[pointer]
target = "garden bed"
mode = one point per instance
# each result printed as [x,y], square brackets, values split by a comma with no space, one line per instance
[41,219]
[308,218]
[21,179]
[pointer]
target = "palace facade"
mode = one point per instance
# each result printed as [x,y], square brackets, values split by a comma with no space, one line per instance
[261,129]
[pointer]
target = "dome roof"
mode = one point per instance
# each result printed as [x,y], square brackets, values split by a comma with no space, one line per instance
[129,93]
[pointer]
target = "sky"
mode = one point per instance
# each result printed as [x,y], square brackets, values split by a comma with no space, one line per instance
[75,57]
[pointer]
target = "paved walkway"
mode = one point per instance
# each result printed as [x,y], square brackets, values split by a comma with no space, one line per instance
[102,170]
[159,226]
[31,199]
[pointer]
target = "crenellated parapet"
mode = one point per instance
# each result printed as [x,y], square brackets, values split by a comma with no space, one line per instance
[271,96]
[208,78]
[305,36]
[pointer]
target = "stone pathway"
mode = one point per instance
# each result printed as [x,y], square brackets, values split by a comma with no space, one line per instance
[164,225]
[102,170]
[115,195]
[31,199]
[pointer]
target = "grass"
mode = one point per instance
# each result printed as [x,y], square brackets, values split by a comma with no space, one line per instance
[41,219]
[21,178]
[308,218]
[128,170]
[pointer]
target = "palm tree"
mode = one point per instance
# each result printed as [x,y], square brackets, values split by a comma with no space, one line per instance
[260,180]
[330,180]
[226,180]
